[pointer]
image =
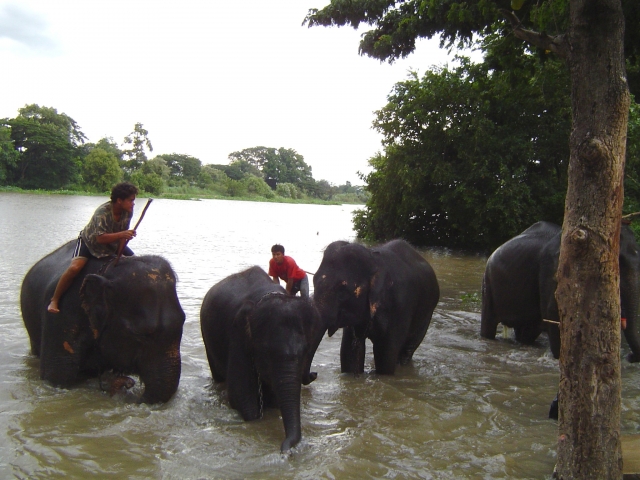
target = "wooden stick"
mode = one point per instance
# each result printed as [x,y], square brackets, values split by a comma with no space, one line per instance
[551,321]
[123,242]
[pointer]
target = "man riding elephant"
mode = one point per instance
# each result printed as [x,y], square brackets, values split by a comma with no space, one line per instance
[101,237]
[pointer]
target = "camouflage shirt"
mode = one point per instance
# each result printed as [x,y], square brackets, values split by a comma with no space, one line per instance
[103,222]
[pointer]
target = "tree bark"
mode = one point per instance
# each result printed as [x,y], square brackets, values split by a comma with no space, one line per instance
[588,291]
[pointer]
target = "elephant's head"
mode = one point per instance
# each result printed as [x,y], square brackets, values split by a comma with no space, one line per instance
[282,334]
[629,284]
[137,321]
[348,286]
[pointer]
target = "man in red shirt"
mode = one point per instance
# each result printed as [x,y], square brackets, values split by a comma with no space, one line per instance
[285,268]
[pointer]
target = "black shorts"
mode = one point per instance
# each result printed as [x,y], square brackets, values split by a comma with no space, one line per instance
[83,251]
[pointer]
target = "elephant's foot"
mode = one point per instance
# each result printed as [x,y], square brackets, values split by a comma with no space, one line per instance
[113,383]
[632,357]
[120,384]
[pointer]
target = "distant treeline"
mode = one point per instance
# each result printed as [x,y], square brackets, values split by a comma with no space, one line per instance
[43,149]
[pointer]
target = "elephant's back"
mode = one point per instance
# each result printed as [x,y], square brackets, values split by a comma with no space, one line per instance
[511,277]
[38,285]
[411,269]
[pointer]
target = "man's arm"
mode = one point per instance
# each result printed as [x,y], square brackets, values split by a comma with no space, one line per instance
[276,279]
[289,285]
[114,237]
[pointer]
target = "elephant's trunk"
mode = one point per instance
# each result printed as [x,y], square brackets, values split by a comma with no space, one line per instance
[287,386]
[160,373]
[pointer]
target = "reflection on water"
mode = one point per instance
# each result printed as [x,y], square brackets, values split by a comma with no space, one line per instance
[465,407]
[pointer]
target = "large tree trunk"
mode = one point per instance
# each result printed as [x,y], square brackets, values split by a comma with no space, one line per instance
[588,285]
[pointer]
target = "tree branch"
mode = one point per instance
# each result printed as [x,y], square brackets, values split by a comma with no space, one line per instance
[557,44]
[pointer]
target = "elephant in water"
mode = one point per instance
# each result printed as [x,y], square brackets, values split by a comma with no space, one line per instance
[261,341]
[386,294]
[125,317]
[519,284]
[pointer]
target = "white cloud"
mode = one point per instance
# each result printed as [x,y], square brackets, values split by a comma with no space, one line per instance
[26,28]
[205,78]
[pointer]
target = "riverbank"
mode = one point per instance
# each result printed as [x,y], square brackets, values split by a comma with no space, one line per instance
[191,194]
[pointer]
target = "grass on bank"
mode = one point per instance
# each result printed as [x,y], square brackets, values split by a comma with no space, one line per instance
[195,193]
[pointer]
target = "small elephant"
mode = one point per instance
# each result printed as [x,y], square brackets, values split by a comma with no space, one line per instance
[124,318]
[519,284]
[261,341]
[386,294]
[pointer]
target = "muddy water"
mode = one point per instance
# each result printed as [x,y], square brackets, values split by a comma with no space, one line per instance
[465,407]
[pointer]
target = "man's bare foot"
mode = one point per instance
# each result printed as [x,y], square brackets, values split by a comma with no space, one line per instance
[53,307]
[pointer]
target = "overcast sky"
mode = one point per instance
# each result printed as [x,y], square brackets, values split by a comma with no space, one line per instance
[204,78]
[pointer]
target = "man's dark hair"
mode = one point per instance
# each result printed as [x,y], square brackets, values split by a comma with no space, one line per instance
[123,191]
[277,248]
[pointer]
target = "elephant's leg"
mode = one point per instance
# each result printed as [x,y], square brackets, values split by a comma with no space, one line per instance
[243,384]
[528,331]
[488,320]
[159,370]
[554,339]
[386,355]
[413,341]
[553,409]
[60,355]
[352,351]
[634,344]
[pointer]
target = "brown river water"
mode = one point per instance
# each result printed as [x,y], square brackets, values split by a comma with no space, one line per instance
[465,408]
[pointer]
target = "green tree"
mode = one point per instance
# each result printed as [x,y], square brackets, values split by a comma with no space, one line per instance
[136,156]
[158,166]
[473,155]
[101,170]
[109,145]
[283,165]
[8,155]
[183,167]
[589,35]
[210,176]
[48,144]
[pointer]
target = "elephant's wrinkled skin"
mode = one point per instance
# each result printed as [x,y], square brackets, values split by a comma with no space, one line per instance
[386,294]
[261,341]
[518,288]
[126,318]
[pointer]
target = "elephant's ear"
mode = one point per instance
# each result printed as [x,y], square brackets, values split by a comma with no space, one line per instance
[94,295]
[242,322]
[379,287]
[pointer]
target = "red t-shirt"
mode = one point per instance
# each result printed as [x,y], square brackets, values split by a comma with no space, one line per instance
[286,270]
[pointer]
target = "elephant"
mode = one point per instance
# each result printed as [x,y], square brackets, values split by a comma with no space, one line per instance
[261,342]
[519,284]
[387,294]
[124,318]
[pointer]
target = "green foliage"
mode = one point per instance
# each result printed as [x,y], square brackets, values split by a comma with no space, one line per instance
[182,166]
[632,167]
[157,166]
[472,155]
[235,188]
[397,24]
[209,176]
[48,144]
[288,190]
[256,185]
[8,155]
[283,165]
[136,156]
[100,170]
[148,182]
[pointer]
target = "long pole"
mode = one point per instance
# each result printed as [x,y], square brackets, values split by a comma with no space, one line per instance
[123,242]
